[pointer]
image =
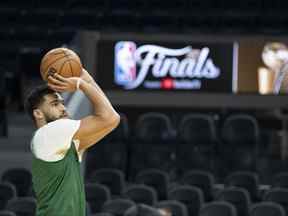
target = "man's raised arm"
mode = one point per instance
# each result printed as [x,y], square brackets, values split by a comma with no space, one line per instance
[104,118]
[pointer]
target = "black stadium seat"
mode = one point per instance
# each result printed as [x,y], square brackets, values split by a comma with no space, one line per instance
[238,149]
[218,208]
[7,213]
[191,196]
[267,209]
[112,178]
[111,152]
[246,180]
[196,150]
[7,192]
[20,177]
[278,195]
[238,197]
[23,206]
[157,179]
[96,196]
[117,207]
[280,180]
[141,193]
[153,147]
[201,179]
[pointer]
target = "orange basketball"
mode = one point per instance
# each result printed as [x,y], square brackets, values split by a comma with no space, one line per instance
[62,61]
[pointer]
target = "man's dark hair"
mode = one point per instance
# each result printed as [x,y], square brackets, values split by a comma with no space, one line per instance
[35,98]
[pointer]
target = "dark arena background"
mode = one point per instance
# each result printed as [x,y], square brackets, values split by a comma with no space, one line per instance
[202,131]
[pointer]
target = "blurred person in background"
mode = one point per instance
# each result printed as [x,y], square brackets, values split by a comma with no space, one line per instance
[145,210]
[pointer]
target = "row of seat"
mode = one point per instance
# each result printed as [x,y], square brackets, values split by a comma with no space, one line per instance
[197,142]
[170,4]
[154,186]
[229,203]
[121,207]
[136,16]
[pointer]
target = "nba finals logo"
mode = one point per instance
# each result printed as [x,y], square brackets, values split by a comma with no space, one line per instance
[157,67]
[125,64]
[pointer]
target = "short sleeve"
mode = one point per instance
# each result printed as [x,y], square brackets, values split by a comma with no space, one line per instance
[52,141]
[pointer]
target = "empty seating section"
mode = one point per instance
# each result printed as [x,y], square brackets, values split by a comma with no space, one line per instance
[152,164]
[23,206]
[7,192]
[157,179]
[196,149]
[218,208]
[112,178]
[153,146]
[239,197]
[238,149]
[190,196]
[111,152]
[141,193]
[246,180]
[19,177]
[201,179]
[267,209]
[118,206]
[97,195]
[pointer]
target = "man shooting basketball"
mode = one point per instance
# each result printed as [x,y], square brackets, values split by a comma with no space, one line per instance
[59,142]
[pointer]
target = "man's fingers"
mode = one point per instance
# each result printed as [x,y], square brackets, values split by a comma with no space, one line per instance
[55,81]
[56,87]
[59,77]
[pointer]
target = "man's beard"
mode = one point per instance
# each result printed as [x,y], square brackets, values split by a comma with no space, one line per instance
[50,118]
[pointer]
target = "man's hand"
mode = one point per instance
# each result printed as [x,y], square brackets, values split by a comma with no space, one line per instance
[62,84]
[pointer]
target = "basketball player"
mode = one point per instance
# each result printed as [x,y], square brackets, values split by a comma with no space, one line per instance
[275,56]
[59,142]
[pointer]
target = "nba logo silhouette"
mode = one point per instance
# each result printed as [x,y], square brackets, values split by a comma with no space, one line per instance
[125,64]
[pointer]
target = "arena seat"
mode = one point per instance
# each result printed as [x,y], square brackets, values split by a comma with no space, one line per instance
[191,197]
[201,179]
[238,149]
[197,135]
[23,206]
[238,197]
[218,208]
[140,193]
[246,180]
[117,206]
[7,192]
[153,146]
[96,196]
[20,177]
[112,178]
[157,179]
[267,209]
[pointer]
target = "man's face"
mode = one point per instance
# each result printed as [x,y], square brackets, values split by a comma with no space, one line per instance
[53,107]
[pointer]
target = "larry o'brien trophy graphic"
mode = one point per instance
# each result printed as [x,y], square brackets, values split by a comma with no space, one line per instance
[156,67]
[275,57]
[274,78]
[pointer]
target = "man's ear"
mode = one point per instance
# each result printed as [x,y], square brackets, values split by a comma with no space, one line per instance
[38,114]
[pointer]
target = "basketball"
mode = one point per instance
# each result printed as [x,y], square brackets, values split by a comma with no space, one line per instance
[62,61]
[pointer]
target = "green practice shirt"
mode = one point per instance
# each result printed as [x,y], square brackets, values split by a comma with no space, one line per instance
[57,180]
